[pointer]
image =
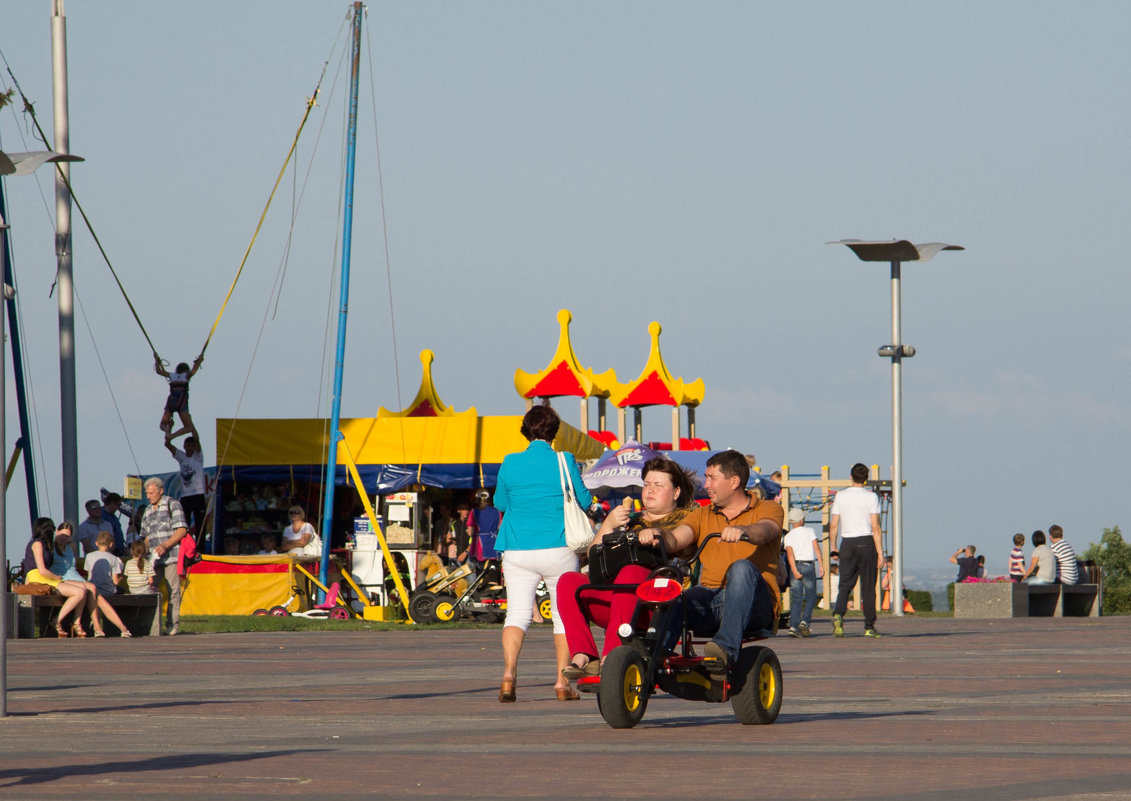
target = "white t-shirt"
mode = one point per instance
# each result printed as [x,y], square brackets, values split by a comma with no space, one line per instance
[801,540]
[192,472]
[289,532]
[855,507]
[312,548]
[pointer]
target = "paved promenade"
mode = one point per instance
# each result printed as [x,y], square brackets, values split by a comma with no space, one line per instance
[936,709]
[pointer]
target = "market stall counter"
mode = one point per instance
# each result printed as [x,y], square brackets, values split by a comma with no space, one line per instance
[239,585]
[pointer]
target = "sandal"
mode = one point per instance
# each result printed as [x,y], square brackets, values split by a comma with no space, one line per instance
[506,692]
[98,634]
[126,633]
[566,694]
[61,632]
[576,671]
[77,630]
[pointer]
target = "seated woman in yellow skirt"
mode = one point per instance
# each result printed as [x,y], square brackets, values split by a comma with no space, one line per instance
[38,558]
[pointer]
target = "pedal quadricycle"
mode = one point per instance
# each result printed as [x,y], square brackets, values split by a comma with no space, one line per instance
[659,654]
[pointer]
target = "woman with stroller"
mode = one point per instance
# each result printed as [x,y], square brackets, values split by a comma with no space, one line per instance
[667,497]
[532,540]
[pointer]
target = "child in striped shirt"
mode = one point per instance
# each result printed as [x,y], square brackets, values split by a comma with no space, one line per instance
[140,576]
[1017,559]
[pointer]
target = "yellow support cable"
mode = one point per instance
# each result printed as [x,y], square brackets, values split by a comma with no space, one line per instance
[12,465]
[309,105]
[344,451]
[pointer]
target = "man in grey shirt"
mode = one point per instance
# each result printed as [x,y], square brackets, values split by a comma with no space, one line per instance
[162,527]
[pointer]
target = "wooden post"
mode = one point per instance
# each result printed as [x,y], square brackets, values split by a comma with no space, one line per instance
[601,414]
[675,428]
[638,423]
[620,424]
[691,421]
[585,415]
[825,518]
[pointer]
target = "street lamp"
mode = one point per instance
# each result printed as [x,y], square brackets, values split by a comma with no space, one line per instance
[896,251]
[11,164]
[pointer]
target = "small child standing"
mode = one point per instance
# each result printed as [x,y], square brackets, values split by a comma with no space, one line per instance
[1017,559]
[140,576]
[103,569]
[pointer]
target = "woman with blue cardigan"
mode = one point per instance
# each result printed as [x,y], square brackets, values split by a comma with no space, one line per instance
[532,540]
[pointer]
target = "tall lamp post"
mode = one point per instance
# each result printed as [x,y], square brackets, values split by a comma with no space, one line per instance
[896,252]
[11,164]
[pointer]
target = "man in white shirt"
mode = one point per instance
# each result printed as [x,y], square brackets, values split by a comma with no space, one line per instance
[856,517]
[803,552]
[193,500]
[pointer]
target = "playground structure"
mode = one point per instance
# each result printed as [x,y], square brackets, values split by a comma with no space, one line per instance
[565,377]
[813,494]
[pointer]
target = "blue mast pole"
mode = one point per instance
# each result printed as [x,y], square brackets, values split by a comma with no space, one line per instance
[343,306]
[18,366]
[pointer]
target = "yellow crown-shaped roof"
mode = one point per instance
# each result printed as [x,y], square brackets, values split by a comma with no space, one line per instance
[563,375]
[655,385]
[427,402]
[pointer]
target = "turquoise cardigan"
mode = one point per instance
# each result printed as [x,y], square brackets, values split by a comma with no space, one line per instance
[529,494]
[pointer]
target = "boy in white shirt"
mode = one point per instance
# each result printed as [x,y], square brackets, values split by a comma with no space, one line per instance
[803,552]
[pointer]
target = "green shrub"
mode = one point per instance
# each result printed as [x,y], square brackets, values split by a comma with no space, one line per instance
[921,600]
[1113,555]
[950,596]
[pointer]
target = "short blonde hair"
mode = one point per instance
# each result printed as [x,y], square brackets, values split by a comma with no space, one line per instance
[104,539]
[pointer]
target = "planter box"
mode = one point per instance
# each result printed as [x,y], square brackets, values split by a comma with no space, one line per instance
[993,599]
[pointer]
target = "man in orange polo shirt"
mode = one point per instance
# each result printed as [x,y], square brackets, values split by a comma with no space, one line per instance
[738,585]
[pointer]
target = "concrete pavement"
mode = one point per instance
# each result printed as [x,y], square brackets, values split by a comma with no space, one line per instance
[938,708]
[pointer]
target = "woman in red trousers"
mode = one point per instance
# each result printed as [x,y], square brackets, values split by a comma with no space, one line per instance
[666,497]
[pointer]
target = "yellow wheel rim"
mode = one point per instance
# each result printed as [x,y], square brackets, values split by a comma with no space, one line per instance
[545,609]
[632,688]
[767,686]
[444,611]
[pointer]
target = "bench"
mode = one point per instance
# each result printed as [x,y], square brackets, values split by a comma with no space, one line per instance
[1080,600]
[37,614]
[1064,600]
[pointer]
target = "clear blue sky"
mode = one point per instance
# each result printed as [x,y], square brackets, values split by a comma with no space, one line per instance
[680,162]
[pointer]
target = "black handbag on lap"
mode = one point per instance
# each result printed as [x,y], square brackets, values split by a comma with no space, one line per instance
[616,550]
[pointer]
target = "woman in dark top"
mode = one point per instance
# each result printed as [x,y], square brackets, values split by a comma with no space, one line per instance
[38,559]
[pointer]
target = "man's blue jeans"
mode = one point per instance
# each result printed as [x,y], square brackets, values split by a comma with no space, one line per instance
[807,584]
[744,603]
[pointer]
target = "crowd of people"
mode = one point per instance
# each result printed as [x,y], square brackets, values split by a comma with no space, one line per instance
[740,584]
[52,559]
[1052,561]
[142,559]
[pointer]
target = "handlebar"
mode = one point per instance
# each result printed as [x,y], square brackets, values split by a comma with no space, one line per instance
[684,565]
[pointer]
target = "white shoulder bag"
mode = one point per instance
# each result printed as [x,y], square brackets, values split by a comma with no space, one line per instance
[579,531]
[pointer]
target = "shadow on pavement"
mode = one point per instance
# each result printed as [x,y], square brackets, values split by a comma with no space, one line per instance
[163,763]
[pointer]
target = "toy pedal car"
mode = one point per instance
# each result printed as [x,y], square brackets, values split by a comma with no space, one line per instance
[643,664]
